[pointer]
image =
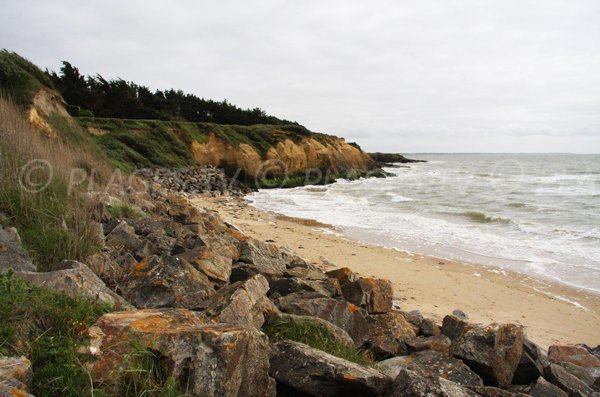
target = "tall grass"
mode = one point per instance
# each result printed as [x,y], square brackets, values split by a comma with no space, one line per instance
[53,219]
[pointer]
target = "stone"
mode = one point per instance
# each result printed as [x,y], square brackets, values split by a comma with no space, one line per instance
[317,373]
[374,295]
[440,343]
[428,327]
[453,326]
[123,236]
[15,376]
[305,273]
[492,351]
[100,213]
[242,271]
[543,388]
[589,376]
[415,318]
[345,315]
[244,304]
[573,354]
[209,262]
[166,281]
[570,384]
[285,286]
[387,334]
[12,254]
[532,364]
[489,391]
[76,279]
[412,384]
[460,314]
[433,364]
[211,359]
[343,275]
[338,334]
[265,257]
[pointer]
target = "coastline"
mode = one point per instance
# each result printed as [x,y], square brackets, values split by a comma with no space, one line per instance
[552,313]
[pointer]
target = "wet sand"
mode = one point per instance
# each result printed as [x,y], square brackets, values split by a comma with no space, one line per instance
[551,313]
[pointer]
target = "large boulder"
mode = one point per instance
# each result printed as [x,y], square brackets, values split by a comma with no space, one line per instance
[374,295]
[341,313]
[387,334]
[210,359]
[543,388]
[493,351]
[15,376]
[572,385]
[12,254]
[440,343]
[344,275]
[573,354]
[433,364]
[453,326]
[123,236]
[289,285]
[166,281]
[531,365]
[209,262]
[76,279]
[317,373]
[244,304]
[265,257]
[412,384]
[589,376]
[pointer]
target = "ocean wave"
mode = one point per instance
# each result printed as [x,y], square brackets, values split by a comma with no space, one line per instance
[480,217]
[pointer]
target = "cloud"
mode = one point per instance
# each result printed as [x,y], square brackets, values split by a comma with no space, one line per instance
[449,75]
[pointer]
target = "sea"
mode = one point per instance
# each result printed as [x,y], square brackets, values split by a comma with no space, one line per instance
[536,214]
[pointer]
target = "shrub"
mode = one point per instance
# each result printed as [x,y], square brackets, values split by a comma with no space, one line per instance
[314,335]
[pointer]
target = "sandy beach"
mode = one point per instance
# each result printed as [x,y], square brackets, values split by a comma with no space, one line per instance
[552,313]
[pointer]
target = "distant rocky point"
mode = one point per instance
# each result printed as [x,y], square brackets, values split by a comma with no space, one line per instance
[390,159]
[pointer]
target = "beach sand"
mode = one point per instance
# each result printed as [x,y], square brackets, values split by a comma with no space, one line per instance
[551,313]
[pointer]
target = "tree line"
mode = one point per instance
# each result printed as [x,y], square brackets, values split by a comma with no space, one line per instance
[117,98]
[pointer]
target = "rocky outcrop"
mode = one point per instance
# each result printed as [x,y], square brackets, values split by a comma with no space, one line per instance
[493,351]
[75,278]
[317,373]
[15,377]
[193,180]
[211,359]
[390,159]
[12,254]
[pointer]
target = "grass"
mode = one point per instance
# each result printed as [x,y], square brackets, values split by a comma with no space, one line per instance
[52,217]
[48,327]
[19,78]
[122,211]
[316,336]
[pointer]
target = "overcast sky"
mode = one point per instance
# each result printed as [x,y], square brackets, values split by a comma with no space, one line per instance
[405,76]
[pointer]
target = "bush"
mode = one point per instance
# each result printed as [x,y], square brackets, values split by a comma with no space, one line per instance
[85,113]
[314,335]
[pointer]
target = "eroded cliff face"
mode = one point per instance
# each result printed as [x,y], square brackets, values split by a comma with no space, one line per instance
[44,103]
[285,158]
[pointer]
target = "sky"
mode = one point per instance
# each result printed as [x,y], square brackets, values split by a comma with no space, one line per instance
[394,76]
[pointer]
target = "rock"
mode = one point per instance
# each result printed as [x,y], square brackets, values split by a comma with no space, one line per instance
[211,359]
[532,364]
[305,274]
[12,254]
[338,334]
[460,314]
[209,262]
[345,315]
[166,281]
[414,318]
[493,352]
[387,334]
[76,279]
[433,364]
[543,388]
[265,257]
[589,376]
[317,373]
[100,213]
[573,354]
[412,384]
[489,391]
[123,236]
[428,327]
[244,304]
[374,295]
[567,382]
[285,286]
[242,271]
[344,275]
[15,376]
[440,343]
[453,326]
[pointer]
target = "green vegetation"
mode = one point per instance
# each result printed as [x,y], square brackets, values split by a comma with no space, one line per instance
[53,219]
[122,211]
[314,335]
[48,327]
[19,78]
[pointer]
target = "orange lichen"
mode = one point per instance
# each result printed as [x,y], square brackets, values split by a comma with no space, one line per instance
[348,377]
[4,248]
[140,267]
[352,308]
[150,324]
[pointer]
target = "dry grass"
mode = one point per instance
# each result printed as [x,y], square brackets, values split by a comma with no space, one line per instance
[52,217]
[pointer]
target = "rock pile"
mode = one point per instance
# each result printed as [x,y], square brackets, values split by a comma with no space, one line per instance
[197,292]
[193,180]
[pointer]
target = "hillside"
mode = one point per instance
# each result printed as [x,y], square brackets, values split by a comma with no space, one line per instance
[262,154]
